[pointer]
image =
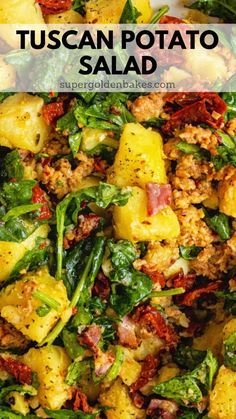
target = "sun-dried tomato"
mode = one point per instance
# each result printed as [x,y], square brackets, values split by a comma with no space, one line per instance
[81,402]
[150,318]
[52,111]
[171,20]
[156,276]
[100,165]
[184,281]
[194,108]
[148,371]
[190,297]
[40,197]
[21,372]
[86,224]
[52,7]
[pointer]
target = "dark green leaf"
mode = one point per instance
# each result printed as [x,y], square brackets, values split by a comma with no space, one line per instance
[74,142]
[17,193]
[220,223]
[69,414]
[130,13]
[75,371]
[188,357]
[225,9]
[68,123]
[189,252]
[79,6]
[194,149]
[72,346]
[13,166]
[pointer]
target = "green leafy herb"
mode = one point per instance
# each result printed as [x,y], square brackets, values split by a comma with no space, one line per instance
[23,389]
[220,223]
[74,142]
[12,166]
[230,351]
[46,299]
[130,13]
[114,371]
[168,293]
[4,95]
[32,259]
[79,6]
[103,195]
[188,357]
[21,210]
[225,9]
[68,123]
[230,300]
[189,252]
[43,310]
[226,151]
[75,371]
[69,414]
[17,193]
[86,279]
[230,99]
[187,389]
[72,346]
[194,149]
[129,286]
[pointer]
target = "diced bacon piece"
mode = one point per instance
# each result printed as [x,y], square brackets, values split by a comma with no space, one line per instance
[81,402]
[22,373]
[91,337]
[158,197]
[168,408]
[126,333]
[101,286]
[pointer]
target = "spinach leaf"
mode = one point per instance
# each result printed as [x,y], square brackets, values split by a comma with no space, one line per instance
[129,286]
[225,9]
[32,259]
[6,413]
[226,151]
[74,142]
[72,346]
[194,149]
[4,95]
[17,193]
[220,223]
[230,300]
[12,166]
[188,357]
[103,195]
[189,252]
[161,12]
[23,389]
[230,351]
[21,210]
[187,389]
[68,123]
[130,13]
[75,371]
[14,230]
[48,97]
[230,99]
[87,278]
[187,413]
[79,6]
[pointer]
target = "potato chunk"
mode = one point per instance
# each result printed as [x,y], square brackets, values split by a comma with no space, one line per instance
[70,16]
[117,397]
[21,122]
[131,222]
[11,252]
[222,397]
[51,364]
[18,304]
[7,75]
[227,196]
[139,159]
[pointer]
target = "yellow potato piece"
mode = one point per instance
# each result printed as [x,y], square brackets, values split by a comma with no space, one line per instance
[117,397]
[222,397]
[51,364]
[18,304]
[21,122]
[227,196]
[11,252]
[110,11]
[139,159]
[131,222]
[68,17]
[7,75]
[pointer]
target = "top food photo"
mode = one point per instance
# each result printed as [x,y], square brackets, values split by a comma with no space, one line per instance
[118,231]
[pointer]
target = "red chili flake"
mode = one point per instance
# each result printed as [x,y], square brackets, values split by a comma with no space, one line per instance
[149,369]
[74,311]
[156,276]
[52,7]
[52,111]
[81,402]
[188,298]
[101,286]
[22,373]
[150,318]
[43,245]
[40,197]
